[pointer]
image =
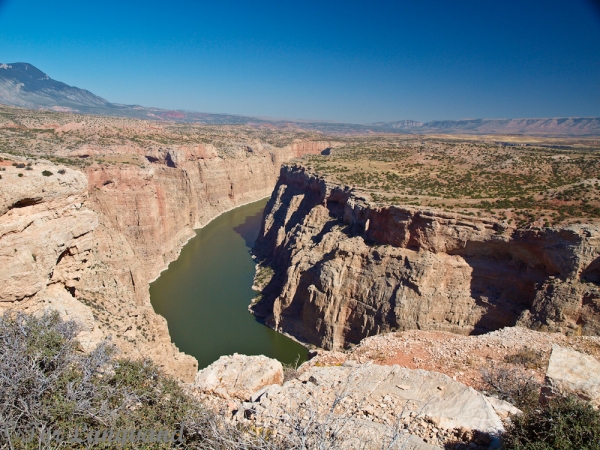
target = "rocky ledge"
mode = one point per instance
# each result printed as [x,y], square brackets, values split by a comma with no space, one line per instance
[367,403]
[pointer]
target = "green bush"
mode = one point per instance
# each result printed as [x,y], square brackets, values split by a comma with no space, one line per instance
[564,424]
[47,173]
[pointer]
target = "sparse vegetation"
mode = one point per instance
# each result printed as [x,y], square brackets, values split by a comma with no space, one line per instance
[263,276]
[522,186]
[47,173]
[290,371]
[514,385]
[47,384]
[564,424]
[48,387]
[528,358]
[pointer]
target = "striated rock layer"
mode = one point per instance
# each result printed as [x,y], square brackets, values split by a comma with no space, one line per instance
[88,244]
[345,268]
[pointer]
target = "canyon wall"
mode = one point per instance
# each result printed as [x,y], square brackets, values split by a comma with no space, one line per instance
[344,268]
[88,244]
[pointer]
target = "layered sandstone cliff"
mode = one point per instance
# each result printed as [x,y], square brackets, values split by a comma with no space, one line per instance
[89,243]
[345,268]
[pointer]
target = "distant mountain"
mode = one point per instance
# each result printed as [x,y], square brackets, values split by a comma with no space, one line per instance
[22,84]
[579,126]
[400,124]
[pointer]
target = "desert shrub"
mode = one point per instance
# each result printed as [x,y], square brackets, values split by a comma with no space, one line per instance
[62,171]
[565,423]
[512,385]
[19,175]
[528,358]
[46,383]
[290,371]
[47,173]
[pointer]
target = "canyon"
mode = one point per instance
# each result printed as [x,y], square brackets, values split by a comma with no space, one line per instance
[345,256]
[89,237]
[387,253]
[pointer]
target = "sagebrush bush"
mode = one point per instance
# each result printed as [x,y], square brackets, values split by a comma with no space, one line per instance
[46,383]
[515,386]
[565,423]
[528,358]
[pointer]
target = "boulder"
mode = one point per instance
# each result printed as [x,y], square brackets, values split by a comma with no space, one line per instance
[572,372]
[239,376]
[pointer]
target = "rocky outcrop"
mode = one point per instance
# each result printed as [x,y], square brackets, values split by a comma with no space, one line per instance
[345,268]
[88,244]
[365,403]
[572,372]
[448,403]
[239,376]
[47,240]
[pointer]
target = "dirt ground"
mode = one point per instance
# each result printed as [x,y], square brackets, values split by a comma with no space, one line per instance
[462,357]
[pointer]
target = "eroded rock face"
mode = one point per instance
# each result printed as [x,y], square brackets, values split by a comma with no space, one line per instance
[239,376]
[572,372]
[46,245]
[345,269]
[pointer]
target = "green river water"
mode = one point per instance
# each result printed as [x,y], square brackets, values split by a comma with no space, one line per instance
[205,293]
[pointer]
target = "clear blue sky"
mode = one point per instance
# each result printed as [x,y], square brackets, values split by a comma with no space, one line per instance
[353,61]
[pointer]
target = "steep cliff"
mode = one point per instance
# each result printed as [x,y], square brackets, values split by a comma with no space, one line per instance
[89,243]
[345,268]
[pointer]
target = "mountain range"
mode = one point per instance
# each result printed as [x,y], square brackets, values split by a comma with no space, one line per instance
[22,84]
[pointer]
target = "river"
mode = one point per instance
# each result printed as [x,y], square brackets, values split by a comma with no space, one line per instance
[205,293]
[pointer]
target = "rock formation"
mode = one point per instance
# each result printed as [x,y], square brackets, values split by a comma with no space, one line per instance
[47,237]
[239,376]
[362,403]
[345,268]
[572,372]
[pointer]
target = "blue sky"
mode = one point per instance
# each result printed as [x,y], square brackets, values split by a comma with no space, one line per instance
[353,61]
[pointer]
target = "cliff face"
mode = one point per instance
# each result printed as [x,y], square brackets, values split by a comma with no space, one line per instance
[89,243]
[345,269]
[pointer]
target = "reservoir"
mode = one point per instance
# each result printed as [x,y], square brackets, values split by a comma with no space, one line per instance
[205,293]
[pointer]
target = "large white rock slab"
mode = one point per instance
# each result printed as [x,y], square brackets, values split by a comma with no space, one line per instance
[572,372]
[239,376]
